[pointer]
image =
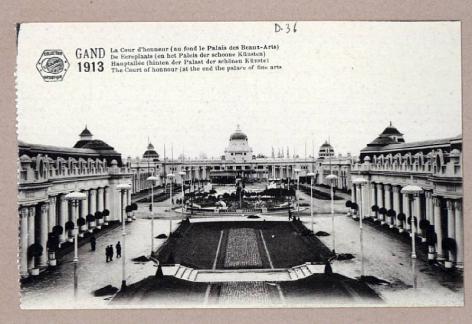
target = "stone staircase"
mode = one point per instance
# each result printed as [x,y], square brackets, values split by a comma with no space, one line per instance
[231,275]
[186,273]
[300,272]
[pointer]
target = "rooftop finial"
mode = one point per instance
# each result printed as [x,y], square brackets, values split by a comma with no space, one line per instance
[86,134]
[391,124]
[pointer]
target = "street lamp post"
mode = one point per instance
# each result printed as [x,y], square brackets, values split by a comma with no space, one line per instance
[414,192]
[182,176]
[75,197]
[171,177]
[239,185]
[361,182]
[311,175]
[331,178]
[297,172]
[123,189]
[152,179]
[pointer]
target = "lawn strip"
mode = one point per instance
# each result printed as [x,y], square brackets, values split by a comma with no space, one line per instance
[221,256]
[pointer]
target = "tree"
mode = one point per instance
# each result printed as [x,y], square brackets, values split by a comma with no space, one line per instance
[57,230]
[81,221]
[449,244]
[53,242]
[69,225]
[409,220]
[90,218]
[401,217]
[35,250]
[424,223]
[391,213]
[431,237]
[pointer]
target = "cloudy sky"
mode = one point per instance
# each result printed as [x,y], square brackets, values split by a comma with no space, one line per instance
[340,80]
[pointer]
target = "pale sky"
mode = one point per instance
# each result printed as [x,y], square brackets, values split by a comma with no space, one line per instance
[340,80]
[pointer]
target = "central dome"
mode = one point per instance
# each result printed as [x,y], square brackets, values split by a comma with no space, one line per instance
[150,153]
[238,135]
[238,148]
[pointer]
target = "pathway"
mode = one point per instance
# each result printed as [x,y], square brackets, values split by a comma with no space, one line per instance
[54,289]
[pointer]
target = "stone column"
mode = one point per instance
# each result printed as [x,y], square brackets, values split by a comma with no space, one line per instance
[31,216]
[106,198]
[365,200]
[43,234]
[93,201]
[52,213]
[438,228]
[380,199]
[138,180]
[451,226]
[459,233]
[396,203]
[417,213]
[63,217]
[23,242]
[85,205]
[100,199]
[122,214]
[387,202]
[406,210]
[372,200]
[353,193]
[429,206]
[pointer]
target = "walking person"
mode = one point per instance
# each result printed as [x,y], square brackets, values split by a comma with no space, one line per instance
[118,250]
[111,252]
[93,242]
[107,253]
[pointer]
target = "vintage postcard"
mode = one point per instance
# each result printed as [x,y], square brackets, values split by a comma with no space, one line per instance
[240,164]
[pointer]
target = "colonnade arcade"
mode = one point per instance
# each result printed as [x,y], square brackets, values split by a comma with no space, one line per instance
[442,212]
[38,220]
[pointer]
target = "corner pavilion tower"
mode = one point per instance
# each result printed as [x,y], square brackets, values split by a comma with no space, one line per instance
[238,149]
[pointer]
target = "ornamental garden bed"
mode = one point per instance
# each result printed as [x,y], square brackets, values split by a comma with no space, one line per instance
[242,245]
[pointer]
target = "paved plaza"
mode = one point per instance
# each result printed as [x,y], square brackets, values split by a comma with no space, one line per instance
[387,259]
[94,272]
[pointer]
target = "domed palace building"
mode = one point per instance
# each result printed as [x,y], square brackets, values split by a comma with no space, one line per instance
[46,175]
[389,163]
[239,161]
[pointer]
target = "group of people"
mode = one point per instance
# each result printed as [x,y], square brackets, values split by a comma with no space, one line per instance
[109,251]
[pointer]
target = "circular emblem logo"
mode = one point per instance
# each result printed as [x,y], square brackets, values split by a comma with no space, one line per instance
[54,65]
